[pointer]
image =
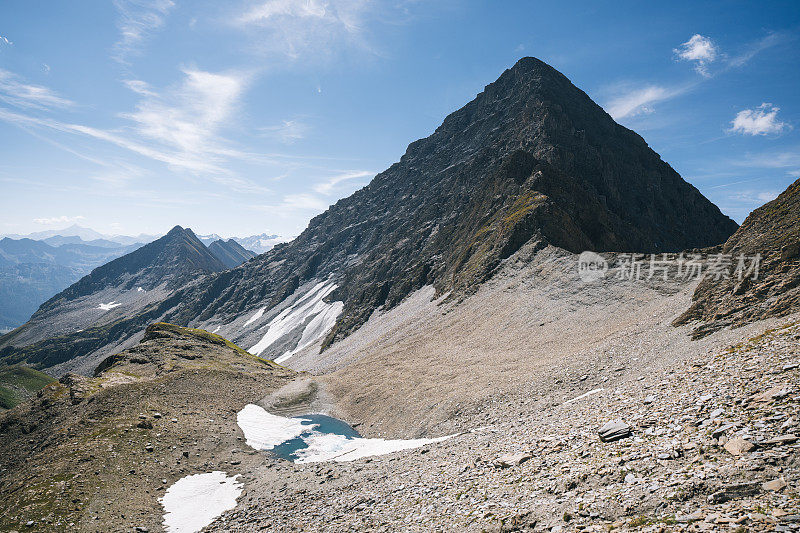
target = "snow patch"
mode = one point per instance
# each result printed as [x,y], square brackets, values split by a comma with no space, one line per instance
[139,289]
[258,314]
[193,502]
[109,306]
[330,447]
[311,306]
[216,329]
[319,326]
[264,431]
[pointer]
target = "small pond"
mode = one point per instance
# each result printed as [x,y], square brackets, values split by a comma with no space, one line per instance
[323,424]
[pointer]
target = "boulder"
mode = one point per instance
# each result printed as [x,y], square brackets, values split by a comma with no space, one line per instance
[614,430]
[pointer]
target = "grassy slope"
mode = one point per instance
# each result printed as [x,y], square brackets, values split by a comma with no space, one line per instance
[18,383]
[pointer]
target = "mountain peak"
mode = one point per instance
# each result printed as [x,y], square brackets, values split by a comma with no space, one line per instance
[532,159]
[178,230]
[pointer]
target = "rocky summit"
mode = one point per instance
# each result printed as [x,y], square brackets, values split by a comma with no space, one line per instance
[531,159]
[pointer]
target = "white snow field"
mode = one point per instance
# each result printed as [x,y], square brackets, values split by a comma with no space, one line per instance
[109,306]
[311,306]
[264,431]
[330,447]
[193,502]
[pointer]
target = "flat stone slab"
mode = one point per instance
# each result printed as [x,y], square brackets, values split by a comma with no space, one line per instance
[614,430]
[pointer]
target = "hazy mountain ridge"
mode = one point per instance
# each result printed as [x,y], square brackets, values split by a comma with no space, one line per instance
[32,271]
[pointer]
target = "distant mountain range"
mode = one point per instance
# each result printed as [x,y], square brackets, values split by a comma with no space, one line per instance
[259,244]
[76,234]
[32,271]
[36,267]
[85,234]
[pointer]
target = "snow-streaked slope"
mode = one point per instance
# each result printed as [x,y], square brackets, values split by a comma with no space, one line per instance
[264,431]
[258,314]
[310,309]
[193,502]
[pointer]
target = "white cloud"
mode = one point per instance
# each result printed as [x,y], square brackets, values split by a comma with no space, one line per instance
[328,186]
[20,94]
[58,220]
[754,197]
[310,28]
[762,120]
[181,126]
[640,100]
[288,131]
[137,20]
[3,40]
[700,50]
[302,201]
[188,117]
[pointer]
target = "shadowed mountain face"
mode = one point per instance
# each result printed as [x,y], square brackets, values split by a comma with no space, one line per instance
[230,252]
[531,158]
[773,231]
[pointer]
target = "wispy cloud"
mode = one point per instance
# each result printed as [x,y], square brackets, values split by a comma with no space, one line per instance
[753,49]
[137,20]
[188,117]
[18,93]
[762,120]
[58,220]
[628,101]
[699,50]
[180,126]
[309,28]
[638,101]
[288,131]
[3,40]
[327,187]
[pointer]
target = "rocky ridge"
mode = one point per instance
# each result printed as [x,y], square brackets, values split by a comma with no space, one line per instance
[230,252]
[772,232]
[100,302]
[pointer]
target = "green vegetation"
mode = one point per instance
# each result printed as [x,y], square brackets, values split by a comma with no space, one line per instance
[213,338]
[18,383]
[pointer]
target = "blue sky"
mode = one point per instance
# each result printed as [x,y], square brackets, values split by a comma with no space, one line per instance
[249,116]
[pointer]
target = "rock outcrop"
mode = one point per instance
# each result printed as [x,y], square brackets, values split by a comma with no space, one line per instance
[771,232]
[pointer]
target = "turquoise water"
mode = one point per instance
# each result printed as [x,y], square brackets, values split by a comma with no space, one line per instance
[325,424]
